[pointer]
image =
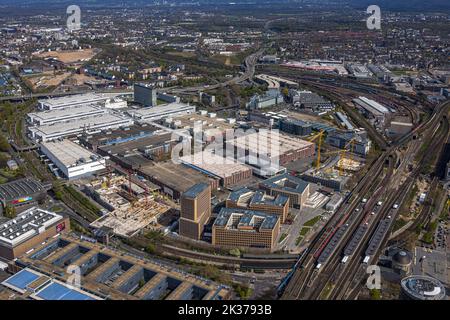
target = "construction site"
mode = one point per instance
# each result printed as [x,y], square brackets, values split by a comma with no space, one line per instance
[131,207]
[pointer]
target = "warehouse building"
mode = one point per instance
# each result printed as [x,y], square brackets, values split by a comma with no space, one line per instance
[296,189]
[72,160]
[62,115]
[27,230]
[372,109]
[309,100]
[238,228]
[154,146]
[258,201]
[90,124]
[355,141]
[175,179]
[161,111]
[269,148]
[72,101]
[228,171]
[195,211]
[115,275]
[117,136]
[21,194]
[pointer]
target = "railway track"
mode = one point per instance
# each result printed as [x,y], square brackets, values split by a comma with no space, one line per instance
[297,283]
[351,276]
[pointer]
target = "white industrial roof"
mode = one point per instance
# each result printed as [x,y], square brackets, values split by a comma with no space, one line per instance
[58,113]
[87,122]
[69,153]
[75,99]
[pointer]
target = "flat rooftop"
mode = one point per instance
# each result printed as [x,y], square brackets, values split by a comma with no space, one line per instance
[87,123]
[115,273]
[56,114]
[114,136]
[69,153]
[196,190]
[246,196]
[42,287]
[26,225]
[75,99]
[270,142]
[20,188]
[145,143]
[161,110]
[208,123]
[245,220]
[175,176]
[286,182]
[214,164]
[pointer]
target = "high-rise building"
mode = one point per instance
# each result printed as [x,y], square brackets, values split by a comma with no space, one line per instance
[195,210]
[145,95]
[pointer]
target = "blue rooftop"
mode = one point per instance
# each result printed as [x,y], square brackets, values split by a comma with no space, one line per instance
[57,291]
[22,279]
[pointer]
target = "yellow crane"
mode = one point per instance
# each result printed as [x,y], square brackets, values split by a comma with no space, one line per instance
[313,138]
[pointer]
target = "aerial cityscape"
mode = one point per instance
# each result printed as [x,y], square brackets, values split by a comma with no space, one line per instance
[265,151]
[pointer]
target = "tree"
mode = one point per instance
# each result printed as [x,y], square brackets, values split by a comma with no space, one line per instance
[235,252]
[151,249]
[375,294]
[10,212]
[4,144]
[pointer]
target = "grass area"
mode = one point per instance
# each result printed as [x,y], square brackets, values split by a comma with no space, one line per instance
[282,237]
[312,222]
[299,239]
[56,209]
[399,223]
[304,231]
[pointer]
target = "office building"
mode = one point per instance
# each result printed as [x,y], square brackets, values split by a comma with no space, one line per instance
[168,98]
[239,228]
[309,100]
[195,211]
[28,229]
[296,189]
[269,99]
[245,198]
[146,96]
[72,160]
[110,274]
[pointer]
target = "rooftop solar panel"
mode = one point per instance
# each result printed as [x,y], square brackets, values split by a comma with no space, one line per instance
[56,291]
[22,279]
